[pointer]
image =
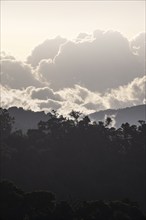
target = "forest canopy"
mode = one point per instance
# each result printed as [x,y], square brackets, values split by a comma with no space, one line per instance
[75,158]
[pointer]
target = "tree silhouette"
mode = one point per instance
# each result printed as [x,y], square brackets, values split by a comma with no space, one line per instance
[75,156]
[11,202]
[6,123]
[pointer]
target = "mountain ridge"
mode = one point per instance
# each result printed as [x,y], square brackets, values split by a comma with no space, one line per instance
[129,114]
[27,119]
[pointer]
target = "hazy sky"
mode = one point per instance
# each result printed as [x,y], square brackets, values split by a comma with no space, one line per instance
[25,24]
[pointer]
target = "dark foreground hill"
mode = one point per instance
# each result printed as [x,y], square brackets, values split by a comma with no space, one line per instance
[43,205]
[77,160]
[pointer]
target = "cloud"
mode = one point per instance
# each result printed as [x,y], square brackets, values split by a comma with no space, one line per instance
[97,62]
[131,94]
[138,46]
[103,61]
[86,101]
[49,105]
[47,50]
[44,94]
[18,98]
[16,74]
[92,73]
[4,56]
[76,98]
[113,117]
[83,37]
[30,98]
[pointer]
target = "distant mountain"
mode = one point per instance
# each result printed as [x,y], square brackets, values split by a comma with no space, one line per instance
[26,119]
[130,114]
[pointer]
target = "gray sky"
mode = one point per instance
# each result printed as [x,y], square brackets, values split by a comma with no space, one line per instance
[25,24]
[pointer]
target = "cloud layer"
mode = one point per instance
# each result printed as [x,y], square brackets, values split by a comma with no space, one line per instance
[93,72]
[47,50]
[77,98]
[98,62]
[16,74]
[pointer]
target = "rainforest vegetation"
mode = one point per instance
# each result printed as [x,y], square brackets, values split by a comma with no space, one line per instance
[72,168]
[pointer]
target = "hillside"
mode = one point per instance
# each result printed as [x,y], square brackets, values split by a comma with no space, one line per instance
[77,160]
[27,119]
[130,114]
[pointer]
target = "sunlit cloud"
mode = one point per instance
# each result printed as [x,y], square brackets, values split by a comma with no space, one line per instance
[93,72]
[16,74]
[77,98]
[101,62]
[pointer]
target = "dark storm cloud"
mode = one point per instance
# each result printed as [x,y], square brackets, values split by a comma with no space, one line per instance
[99,63]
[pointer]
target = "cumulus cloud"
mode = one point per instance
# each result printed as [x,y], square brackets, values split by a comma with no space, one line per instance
[83,37]
[98,62]
[16,97]
[76,98]
[94,72]
[23,98]
[88,101]
[44,94]
[47,50]
[5,56]
[16,74]
[131,94]
[49,105]
[103,61]
[138,46]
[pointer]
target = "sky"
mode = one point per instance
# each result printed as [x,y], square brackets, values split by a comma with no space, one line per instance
[24,24]
[64,55]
